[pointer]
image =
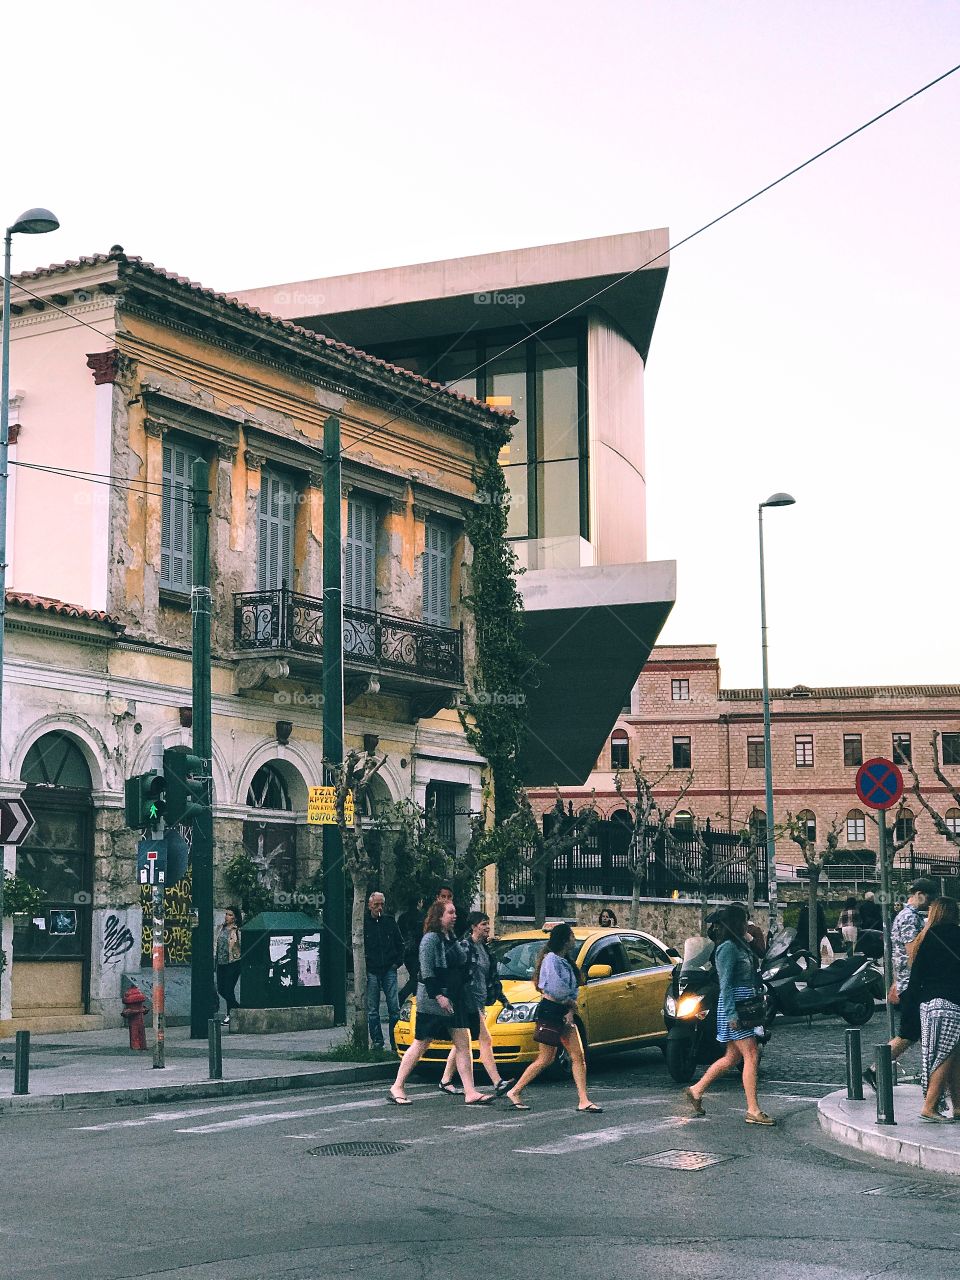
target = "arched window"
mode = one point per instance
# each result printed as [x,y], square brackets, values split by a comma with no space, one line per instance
[55,760]
[268,789]
[683,820]
[622,818]
[856,826]
[808,825]
[906,826]
[952,819]
[619,750]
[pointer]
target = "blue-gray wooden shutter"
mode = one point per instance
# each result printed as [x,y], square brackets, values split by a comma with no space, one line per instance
[176,526]
[360,555]
[436,574]
[275,533]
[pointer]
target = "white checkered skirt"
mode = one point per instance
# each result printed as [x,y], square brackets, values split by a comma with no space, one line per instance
[939,1034]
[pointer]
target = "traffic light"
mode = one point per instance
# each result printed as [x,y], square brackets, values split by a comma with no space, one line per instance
[187,786]
[143,800]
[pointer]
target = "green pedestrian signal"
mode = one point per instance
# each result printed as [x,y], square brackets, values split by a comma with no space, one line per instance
[144,800]
[187,780]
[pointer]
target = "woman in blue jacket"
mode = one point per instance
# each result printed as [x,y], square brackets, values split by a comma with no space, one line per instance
[736,970]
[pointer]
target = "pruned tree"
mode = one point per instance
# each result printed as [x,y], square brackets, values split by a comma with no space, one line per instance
[707,862]
[355,775]
[648,818]
[953,836]
[527,842]
[798,830]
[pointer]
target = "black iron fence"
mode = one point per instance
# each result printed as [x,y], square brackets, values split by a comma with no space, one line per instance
[282,619]
[678,863]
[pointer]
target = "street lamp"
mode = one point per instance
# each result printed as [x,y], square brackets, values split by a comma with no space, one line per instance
[35,222]
[776,500]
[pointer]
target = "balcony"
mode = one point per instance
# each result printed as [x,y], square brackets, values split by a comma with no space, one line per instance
[405,654]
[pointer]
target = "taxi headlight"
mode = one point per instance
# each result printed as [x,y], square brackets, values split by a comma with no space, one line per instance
[518,1012]
[406,1009]
[670,1006]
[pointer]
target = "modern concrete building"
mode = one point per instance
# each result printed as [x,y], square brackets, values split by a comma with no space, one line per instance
[560,335]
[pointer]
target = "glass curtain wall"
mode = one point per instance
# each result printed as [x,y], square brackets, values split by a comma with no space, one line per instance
[543,381]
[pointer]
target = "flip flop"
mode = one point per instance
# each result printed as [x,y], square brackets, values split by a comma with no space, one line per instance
[501,1087]
[695,1102]
[447,1086]
[518,1106]
[591,1109]
[760,1118]
[935,1119]
[484,1100]
[400,1102]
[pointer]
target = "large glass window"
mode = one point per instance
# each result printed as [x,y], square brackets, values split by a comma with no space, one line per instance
[852,749]
[950,746]
[856,826]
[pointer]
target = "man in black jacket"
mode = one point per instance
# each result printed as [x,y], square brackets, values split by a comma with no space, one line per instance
[383,948]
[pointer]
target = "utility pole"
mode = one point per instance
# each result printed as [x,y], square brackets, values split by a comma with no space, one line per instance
[159,974]
[334,950]
[201,972]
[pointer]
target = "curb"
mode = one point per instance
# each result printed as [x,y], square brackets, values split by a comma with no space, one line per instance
[853,1130]
[198,1089]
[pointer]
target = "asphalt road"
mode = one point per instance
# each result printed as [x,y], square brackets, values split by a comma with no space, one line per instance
[248,1188]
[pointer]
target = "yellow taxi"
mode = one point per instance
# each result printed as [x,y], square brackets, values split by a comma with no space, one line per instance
[626,976]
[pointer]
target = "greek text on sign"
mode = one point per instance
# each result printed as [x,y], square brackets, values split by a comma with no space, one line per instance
[322,809]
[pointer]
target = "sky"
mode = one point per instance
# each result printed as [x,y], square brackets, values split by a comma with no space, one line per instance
[804,344]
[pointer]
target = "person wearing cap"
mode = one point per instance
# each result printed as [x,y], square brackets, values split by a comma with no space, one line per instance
[905,928]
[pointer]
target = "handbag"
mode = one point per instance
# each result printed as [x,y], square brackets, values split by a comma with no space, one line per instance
[547,1033]
[750,1011]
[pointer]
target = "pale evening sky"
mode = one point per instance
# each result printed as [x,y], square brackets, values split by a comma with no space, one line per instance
[805,344]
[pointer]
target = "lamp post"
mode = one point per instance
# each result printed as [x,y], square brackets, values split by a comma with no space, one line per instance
[776,500]
[32,223]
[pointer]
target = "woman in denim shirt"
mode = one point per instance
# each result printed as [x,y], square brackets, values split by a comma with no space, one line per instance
[558,981]
[735,969]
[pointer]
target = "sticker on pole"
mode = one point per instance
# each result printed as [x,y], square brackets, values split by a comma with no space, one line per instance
[879,783]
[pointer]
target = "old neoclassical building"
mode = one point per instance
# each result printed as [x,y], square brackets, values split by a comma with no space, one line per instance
[109,415]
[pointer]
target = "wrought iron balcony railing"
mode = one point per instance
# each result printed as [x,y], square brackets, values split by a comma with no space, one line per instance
[284,620]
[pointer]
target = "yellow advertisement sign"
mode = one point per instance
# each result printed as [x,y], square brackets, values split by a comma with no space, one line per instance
[321,807]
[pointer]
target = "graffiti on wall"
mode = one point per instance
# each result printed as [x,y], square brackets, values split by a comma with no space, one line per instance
[117,939]
[177,934]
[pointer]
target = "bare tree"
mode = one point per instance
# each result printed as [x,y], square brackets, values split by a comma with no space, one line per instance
[355,775]
[798,830]
[648,818]
[537,845]
[938,821]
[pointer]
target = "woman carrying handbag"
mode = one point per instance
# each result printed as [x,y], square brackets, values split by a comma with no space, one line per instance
[558,981]
[739,1012]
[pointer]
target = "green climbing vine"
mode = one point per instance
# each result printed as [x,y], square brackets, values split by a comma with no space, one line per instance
[496,718]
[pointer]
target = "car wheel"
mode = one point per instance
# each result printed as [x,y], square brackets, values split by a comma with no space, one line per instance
[681,1055]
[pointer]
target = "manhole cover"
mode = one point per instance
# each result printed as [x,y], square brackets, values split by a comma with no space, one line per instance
[358,1149]
[682,1159]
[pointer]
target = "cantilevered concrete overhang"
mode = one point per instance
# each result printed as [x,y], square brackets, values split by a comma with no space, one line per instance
[592,630]
[486,291]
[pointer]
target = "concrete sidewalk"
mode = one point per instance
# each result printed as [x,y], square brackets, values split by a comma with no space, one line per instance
[96,1068]
[911,1141]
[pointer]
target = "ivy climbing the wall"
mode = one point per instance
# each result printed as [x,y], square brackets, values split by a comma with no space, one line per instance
[496,719]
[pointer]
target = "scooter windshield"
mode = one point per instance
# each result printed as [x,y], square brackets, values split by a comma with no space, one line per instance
[697,953]
[781,943]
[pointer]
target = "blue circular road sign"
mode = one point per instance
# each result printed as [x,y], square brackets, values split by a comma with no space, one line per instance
[879,783]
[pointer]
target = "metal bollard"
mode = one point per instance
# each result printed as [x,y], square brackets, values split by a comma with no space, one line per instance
[215,1047]
[884,1085]
[854,1064]
[21,1063]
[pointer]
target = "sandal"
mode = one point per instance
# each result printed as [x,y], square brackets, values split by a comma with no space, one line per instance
[483,1100]
[695,1102]
[501,1087]
[400,1102]
[447,1086]
[591,1109]
[935,1119]
[759,1117]
[517,1106]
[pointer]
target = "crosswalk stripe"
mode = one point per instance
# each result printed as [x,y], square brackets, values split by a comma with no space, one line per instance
[248,1122]
[603,1137]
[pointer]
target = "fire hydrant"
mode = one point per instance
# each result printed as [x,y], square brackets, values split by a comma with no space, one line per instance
[134,1002]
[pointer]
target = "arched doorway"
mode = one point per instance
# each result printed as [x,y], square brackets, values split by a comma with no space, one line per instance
[270,833]
[51,950]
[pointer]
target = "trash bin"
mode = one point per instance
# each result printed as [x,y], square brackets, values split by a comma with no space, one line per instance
[280,960]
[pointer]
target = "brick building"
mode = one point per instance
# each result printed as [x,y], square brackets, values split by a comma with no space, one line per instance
[680,719]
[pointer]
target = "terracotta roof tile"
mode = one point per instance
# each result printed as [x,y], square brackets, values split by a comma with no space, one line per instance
[138,264]
[45,604]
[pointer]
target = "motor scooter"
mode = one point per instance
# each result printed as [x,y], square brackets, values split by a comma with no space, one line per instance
[797,986]
[690,1011]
